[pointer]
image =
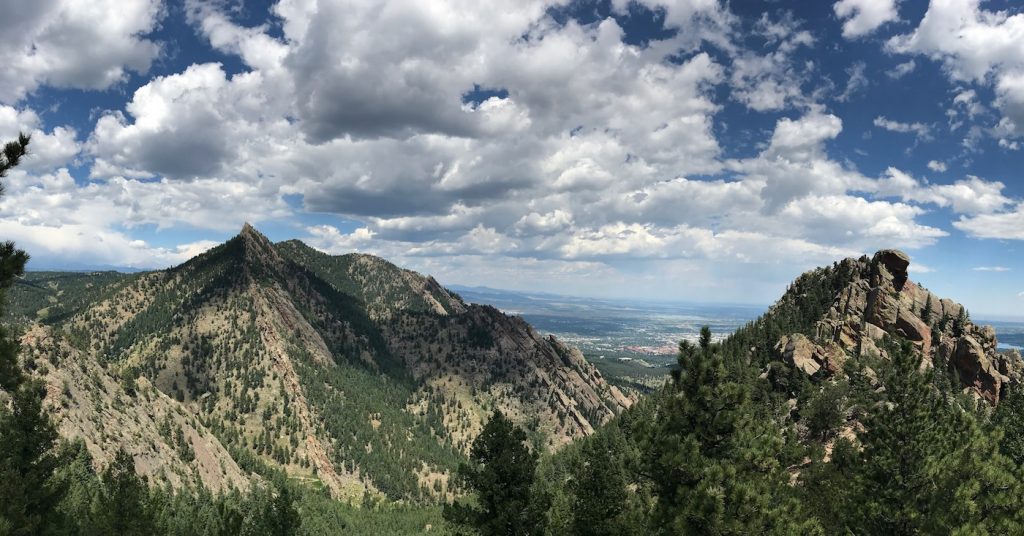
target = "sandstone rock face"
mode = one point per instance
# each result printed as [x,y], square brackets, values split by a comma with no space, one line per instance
[800,352]
[879,300]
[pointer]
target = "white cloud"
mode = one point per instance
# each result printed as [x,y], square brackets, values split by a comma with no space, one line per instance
[857,81]
[937,166]
[90,246]
[182,126]
[972,195]
[918,268]
[901,70]
[990,269]
[71,43]
[590,157]
[47,150]
[919,130]
[986,50]
[861,17]
[1007,225]
[772,80]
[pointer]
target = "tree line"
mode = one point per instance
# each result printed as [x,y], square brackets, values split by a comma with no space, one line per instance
[889,449]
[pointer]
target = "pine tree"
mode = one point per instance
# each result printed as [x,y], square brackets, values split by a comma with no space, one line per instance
[927,312]
[501,473]
[124,507]
[602,504]
[28,495]
[712,460]
[1009,420]
[960,323]
[925,466]
[12,266]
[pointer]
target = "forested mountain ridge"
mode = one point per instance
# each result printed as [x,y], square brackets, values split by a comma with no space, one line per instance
[345,370]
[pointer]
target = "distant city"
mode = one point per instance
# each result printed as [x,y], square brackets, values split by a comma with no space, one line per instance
[639,338]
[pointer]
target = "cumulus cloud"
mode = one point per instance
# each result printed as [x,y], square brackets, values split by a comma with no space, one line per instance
[92,246]
[1007,225]
[972,195]
[47,150]
[770,80]
[473,140]
[986,50]
[181,126]
[69,43]
[937,166]
[861,17]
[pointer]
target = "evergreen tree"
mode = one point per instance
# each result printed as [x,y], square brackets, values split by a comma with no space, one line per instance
[12,266]
[501,472]
[602,504]
[925,466]
[927,312]
[960,323]
[712,459]
[1009,420]
[27,494]
[124,508]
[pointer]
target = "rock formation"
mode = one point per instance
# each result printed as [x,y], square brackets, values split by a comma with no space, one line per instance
[879,300]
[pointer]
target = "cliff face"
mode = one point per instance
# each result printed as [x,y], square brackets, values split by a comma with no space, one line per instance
[880,300]
[346,369]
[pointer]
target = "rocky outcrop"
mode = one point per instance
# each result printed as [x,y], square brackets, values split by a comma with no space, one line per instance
[799,351]
[878,300]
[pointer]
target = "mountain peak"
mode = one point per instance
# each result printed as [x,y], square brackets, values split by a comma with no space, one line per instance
[257,247]
[250,234]
[855,305]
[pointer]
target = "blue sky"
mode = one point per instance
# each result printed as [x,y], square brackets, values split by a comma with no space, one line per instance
[684,150]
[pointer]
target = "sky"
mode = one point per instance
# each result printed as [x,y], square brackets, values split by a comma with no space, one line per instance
[686,150]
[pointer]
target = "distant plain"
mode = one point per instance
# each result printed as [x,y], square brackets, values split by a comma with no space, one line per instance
[634,343]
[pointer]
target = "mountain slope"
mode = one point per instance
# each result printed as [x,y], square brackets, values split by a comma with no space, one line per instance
[345,370]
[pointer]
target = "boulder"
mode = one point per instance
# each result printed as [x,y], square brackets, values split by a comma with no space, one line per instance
[912,328]
[798,351]
[977,370]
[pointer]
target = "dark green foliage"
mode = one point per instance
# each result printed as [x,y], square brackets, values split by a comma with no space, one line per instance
[712,460]
[124,499]
[501,473]
[928,312]
[825,412]
[1009,419]
[923,466]
[593,488]
[52,297]
[349,395]
[13,152]
[799,309]
[27,494]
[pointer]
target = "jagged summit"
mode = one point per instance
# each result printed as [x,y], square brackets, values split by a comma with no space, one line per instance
[254,240]
[862,301]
